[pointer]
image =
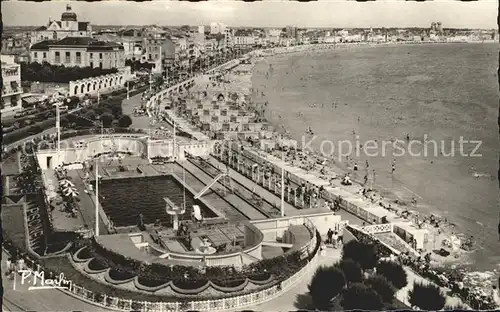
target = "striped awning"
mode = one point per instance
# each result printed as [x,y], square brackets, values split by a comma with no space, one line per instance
[30,99]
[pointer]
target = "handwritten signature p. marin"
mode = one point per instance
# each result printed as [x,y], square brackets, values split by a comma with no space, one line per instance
[38,281]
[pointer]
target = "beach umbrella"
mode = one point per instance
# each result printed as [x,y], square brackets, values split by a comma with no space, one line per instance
[66,182]
[71,192]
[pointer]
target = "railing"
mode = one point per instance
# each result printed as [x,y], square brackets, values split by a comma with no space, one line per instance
[205,305]
[221,258]
[378,228]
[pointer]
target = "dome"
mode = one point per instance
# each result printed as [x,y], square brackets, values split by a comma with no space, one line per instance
[68,16]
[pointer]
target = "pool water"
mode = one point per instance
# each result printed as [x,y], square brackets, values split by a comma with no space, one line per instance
[124,199]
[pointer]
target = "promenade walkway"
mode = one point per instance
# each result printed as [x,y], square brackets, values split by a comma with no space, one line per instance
[17,297]
[297,296]
[349,193]
[128,106]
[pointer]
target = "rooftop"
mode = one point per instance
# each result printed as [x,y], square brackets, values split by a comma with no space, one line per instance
[89,43]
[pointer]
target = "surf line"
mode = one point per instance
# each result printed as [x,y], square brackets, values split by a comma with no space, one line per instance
[411,191]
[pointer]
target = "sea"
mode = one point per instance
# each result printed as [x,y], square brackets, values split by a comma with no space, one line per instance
[437,95]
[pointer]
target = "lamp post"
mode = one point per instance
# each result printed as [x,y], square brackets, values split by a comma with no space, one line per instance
[58,128]
[283,185]
[150,82]
[101,125]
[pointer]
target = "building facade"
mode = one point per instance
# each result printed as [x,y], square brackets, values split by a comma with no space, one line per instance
[291,32]
[68,26]
[80,52]
[243,38]
[217,28]
[11,86]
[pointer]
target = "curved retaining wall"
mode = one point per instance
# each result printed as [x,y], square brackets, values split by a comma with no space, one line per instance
[230,303]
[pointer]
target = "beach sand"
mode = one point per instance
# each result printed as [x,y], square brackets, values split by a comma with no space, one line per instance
[394,91]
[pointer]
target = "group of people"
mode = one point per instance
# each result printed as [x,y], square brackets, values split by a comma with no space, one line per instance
[13,265]
[475,297]
[334,238]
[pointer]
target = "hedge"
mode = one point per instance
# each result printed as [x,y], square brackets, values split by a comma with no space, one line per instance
[23,133]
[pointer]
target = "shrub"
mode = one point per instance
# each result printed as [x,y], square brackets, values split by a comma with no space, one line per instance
[362,253]
[394,273]
[456,307]
[361,297]
[84,254]
[190,284]
[106,119]
[125,121]
[228,283]
[326,283]
[97,264]
[151,282]
[426,297]
[382,286]
[352,271]
[263,276]
[120,275]
[46,72]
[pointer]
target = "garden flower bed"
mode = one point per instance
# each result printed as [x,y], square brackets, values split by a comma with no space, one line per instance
[120,275]
[97,265]
[83,254]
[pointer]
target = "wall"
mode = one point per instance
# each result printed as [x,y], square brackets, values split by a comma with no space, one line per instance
[93,146]
[136,145]
[274,228]
[165,148]
[97,84]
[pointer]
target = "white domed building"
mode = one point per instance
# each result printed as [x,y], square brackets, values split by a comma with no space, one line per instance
[68,26]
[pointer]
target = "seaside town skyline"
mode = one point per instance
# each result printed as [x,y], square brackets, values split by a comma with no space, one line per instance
[476,15]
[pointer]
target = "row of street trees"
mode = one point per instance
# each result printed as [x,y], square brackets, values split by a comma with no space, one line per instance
[361,281]
[46,72]
[109,112]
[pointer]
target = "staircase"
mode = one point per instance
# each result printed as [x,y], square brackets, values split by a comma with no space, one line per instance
[208,186]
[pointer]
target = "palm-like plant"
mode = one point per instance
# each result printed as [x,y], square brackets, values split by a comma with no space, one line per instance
[426,297]
[352,270]
[394,273]
[361,297]
[360,252]
[327,282]
[382,286]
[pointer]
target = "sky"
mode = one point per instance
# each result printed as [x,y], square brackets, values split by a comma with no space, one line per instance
[324,13]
